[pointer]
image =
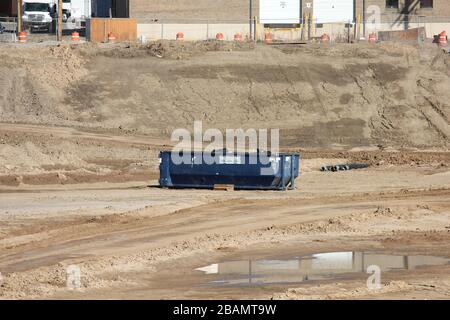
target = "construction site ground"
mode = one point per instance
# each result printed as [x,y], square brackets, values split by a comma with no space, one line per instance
[81,127]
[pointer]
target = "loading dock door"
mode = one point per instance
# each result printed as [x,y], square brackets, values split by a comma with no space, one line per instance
[326,11]
[279,11]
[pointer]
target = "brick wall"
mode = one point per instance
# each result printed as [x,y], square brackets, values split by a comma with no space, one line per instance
[440,7]
[145,10]
[237,10]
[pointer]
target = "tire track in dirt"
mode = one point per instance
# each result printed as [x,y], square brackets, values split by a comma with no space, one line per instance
[130,232]
[70,132]
[196,230]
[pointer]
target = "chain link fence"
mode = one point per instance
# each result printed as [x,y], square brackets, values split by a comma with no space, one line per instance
[403,28]
[196,29]
[307,29]
[8,29]
[388,27]
[37,27]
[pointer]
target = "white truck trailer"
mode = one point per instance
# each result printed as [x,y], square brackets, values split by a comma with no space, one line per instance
[76,12]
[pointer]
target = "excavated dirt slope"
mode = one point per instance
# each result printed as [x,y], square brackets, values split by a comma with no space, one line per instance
[321,97]
[74,115]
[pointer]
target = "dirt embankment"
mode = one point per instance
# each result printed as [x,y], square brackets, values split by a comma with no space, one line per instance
[91,113]
[341,97]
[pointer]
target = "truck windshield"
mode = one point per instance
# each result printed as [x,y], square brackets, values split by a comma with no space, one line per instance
[30,6]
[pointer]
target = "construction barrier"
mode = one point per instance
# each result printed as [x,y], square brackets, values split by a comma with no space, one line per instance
[111,37]
[75,36]
[99,29]
[219,36]
[22,37]
[180,36]
[372,38]
[238,37]
[443,39]
[268,37]
[325,38]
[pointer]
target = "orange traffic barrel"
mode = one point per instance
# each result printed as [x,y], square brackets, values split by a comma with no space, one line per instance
[268,37]
[372,37]
[111,37]
[238,37]
[325,38]
[75,36]
[180,36]
[219,36]
[443,38]
[22,37]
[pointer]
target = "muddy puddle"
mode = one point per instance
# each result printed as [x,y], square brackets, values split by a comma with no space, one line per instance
[312,267]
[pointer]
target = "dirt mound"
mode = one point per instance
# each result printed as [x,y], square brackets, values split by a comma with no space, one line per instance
[339,97]
[320,97]
[33,81]
[163,49]
[380,157]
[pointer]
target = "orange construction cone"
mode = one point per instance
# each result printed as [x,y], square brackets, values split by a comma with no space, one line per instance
[180,36]
[111,37]
[75,36]
[268,37]
[372,38]
[443,39]
[22,37]
[238,37]
[325,38]
[219,36]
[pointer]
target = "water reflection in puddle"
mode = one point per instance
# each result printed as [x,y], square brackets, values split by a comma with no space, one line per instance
[320,266]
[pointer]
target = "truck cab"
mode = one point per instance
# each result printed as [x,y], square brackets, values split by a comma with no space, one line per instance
[37,14]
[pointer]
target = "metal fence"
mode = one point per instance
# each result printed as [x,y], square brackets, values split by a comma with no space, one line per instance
[8,29]
[345,31]
[308,28]
[36,28]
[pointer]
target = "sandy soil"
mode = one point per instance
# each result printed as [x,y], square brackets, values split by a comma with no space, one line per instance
[81,128]
[128,240]
[64,109]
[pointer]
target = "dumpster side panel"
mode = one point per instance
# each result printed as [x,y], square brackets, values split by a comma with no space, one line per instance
[244,171]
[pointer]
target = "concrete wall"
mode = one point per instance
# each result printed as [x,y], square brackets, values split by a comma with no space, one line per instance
[204,31]
[192,31]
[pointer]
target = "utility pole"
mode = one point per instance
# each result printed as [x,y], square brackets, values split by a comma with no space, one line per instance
[60,16]
[364,18]
[250,16]
[19,16]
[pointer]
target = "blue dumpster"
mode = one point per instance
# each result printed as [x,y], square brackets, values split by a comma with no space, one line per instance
[242,170]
